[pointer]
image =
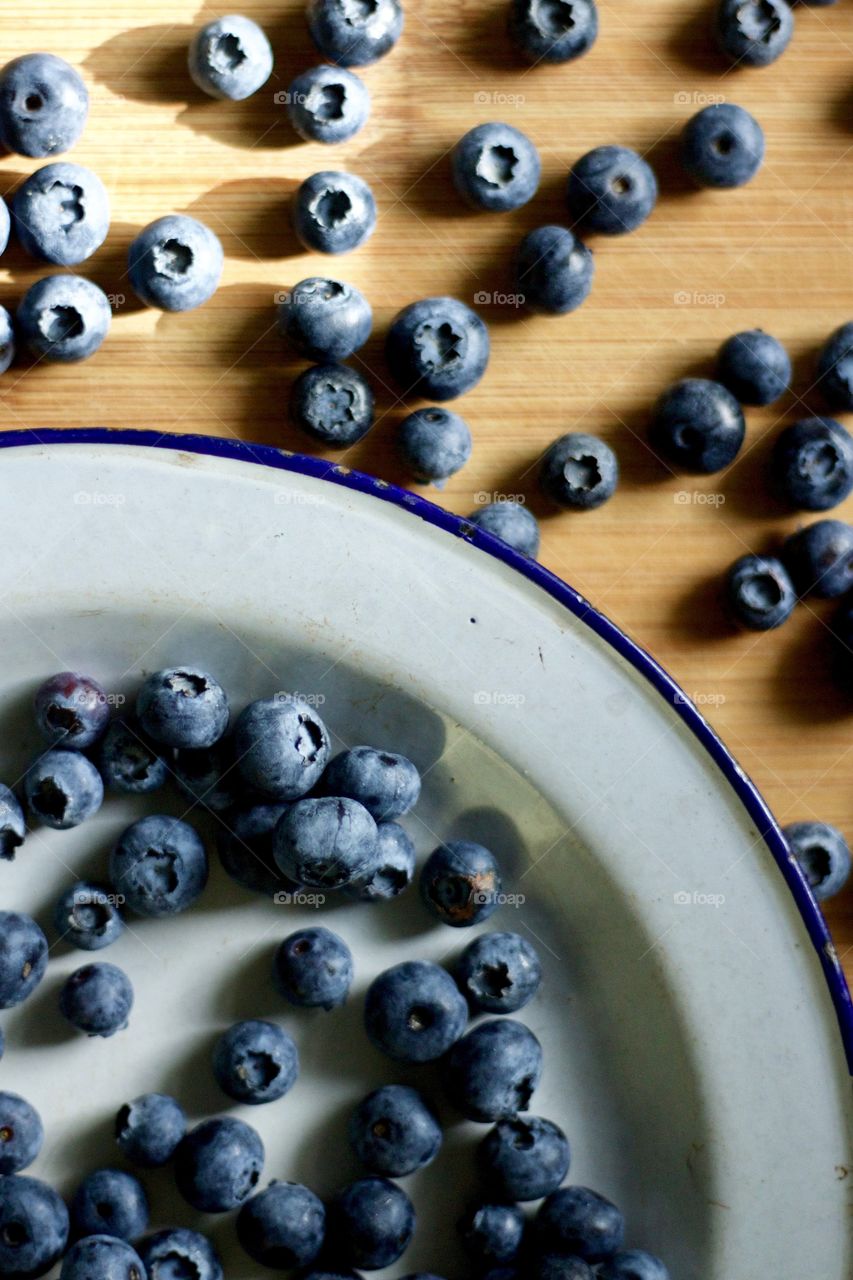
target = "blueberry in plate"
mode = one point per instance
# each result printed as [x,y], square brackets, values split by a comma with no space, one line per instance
[370,1223]
[110,1202]
[282,746]
[553,270]
[208,776]
[414,1012]
[218,1164]
[64,318]
[325,320]
[23,957]
[385,782]
[759,592]
[434,444]
[149,1128]
[612,190]
[460,883]
[393,869]
[722,146]
[492,1233]
[313,968]
[493,1071]
[698,425]
[97,999]
[13,827]
[255,1061]
[510,521]
[129,761]
[754,366]
[175,263]
[328,104]
[7,340]
[244,840]
[62,213]
[183,707]
[437,348]
[576,1220]
[498,973]
[579,471]
[823,855]
[43,105]
[835,368]
[21,1133]
[819,558]
[103,1256]
[230,58]
[159,864]
[754,33]
[394,1132]
[282,1226]
[633,1264]
[495,167]
[325,842]
[176,1252]
[33,1227]
[523,1158]
[71,710]
[87,916]
[332,403]
[553,33]
[63,788]
[333,212]
[353,34]
[812,464]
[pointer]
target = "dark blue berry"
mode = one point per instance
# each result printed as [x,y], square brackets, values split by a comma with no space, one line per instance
[823,855]
[414,1012]
[175,263]
[722,146]
[633,1264]
[325,320]
[759,592]
[33,1227]
[492,1233]
[754,33]
[554,270]
[63,318]
[498,973]
[559,1266]
[23,957]
[698,425]
[313,968]
[110,1202]
[437,348]
[611,190]
[62,214]
[393,1132]
[819,558]
[101,1257]
[835,368]
[255,1061]
[332,403]
[244,840]
[328,104]
[523,1158]
[149,1129]
[183,707]
[179,1254]
[13,827]
[434,444]
[812,464]
[493,1071]
[21,1133]
[326,842]
[230,58]
[575,1220]
[97,999]
[495,167]
[333,212]
[160,866]
[129,761]
[218,1164]
[754,366]
[393,869]
[7,335]
[63,788]
[460,883]
[354,34]
[43,105]
[282,746]
[553,32]
[510,521]
[209,776]
[579,471]
[282,1226]
[87,916]
[371,1223]
[71,710]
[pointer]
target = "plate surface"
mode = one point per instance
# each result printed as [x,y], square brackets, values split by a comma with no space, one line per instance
[692,1048]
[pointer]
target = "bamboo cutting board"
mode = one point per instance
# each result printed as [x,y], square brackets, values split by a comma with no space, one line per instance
[775,254]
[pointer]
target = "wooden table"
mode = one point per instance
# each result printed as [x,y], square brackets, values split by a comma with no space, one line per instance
[775,254]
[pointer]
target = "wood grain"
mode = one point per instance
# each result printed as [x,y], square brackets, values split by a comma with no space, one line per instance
[775,254]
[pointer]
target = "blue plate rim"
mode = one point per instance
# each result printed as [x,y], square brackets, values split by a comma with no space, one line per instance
[577,605]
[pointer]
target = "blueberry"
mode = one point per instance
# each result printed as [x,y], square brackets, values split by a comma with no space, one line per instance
[33,1227]
[393,1132]
[245,843]
[218,1164]
[129,761]
[553,270]
[722,146]
[97,999]
[553,32]
[754,33]
[579,471]
[698,425]
[149,1128]
[183,707]
[230,58]
[493,1071]
[835,368]
[393,869]
[512,523]
[819,558]
[328,104]
[324,319]
[633,1264]
[353,33]
[62,214]
[492,1233]
[498,973]
[611,190]
[177,1253]
[333,212]
[460,883]
[71,710]
[559,1266]
[7,340]
[102,1257]
[759,592]
[755,367]
[437,348]
[282,1226]
[208,776]
[523,1158]
[5,225]
[110,1202]
[160,865]
[13,827]
[43,105]
[63,788]
[175,263]
[495,167]
[21,1133]
[87,916]
[313,968]
[332,403]
[434,444]
[371,1223]
[282,747]
[575,1220]
[413,1012]
[23,957]
[812,464]
[823,855]
[255,1061]
[64,318]
[325,842]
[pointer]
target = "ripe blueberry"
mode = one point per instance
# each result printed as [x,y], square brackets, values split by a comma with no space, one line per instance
[282,1226]
[611,190]
[71,710]
[104,1256]
[754,366]
[43,105]
[23,957]
[575,1220]
[698,425]
[62,214]
[182,707]
[110,1202]
[579,471]
[160,865]
[333,212]
[437,348]
[759,592]
[97,999]
[218,1164]
[413,1012]
[328,104]
[230,58]
[434,444]
[633,1264]
[498,973]
[819,558]
[324,319]
[175,263]
[63,318]
[371,1223]
[555,32]
[325,841]
[13,827]
[823,855]
[255,1061]
[332,403]
[21,1133]
[492,1233]
[495,167]
[33,1227]
[87,916]
[393,868]
[353,34]
[722,146]
[149,1129]
[493,1071]
[812,464]
[313,968]
[460,883]
[553,270]
[129,761]
[523,1158]
[393,1132]
[754,32]
[835,368]
[63,788]
[176,1253]
[282,746]
[510,521]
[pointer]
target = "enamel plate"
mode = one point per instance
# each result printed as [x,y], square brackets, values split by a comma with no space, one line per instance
[692,1000]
